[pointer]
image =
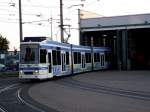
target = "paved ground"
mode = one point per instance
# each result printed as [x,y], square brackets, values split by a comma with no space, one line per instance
[14,96]
[108,91]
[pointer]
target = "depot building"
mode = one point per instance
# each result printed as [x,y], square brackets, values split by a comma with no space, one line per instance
[127,36]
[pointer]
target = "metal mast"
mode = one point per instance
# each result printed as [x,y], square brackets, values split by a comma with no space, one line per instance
[61,22]
[20,22]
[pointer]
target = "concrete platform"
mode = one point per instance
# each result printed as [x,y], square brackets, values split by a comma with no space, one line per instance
[103,91]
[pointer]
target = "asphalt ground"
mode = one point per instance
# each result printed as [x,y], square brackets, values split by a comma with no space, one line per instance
[103,91]
[14,96]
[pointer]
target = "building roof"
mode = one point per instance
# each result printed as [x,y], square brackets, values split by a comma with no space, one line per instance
[34,39]
[118,22]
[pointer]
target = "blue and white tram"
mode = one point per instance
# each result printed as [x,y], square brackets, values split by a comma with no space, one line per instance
[99,58]
[81,58]
[46,59]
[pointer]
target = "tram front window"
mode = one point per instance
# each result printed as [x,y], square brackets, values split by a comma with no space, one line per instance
[29,54]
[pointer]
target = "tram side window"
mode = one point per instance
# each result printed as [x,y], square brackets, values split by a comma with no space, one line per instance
[43,53]
[96,57]
[88,57]
[56,57]
[67,58]
[79,58]
[75,57]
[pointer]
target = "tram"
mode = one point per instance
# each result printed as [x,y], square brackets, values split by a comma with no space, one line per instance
[47,59]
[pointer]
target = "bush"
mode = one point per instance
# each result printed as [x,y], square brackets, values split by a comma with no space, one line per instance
[9,74]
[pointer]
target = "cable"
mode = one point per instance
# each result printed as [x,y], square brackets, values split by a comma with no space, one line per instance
[92,3]
[40,6]
[4,2]
[35,21]
[4,21]
[6,10]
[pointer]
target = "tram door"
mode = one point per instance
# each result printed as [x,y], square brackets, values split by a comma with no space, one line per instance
[63,58]
[49,62]
[83,60]
[102,60]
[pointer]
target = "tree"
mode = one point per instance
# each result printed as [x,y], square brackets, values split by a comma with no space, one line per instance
[4,44]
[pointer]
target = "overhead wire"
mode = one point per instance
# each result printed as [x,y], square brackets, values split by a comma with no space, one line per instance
[39,14]
[91,3]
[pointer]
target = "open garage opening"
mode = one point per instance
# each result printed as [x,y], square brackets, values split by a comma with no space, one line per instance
[139,48]
[102,39]
[130,47]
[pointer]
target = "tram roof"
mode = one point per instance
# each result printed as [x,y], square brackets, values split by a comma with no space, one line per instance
[49,42]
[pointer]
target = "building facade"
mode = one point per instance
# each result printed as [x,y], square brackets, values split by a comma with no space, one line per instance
[128,37]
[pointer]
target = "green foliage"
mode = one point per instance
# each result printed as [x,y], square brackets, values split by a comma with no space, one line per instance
[4,43]
[8,74]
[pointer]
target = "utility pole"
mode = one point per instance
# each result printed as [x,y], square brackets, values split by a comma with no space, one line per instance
[61,22]
[51,22]
[79,24]
[20,22]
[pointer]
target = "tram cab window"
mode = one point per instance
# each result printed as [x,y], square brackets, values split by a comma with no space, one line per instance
[29,54]
[43,54]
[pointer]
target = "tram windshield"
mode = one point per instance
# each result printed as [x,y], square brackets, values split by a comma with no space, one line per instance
[29,54]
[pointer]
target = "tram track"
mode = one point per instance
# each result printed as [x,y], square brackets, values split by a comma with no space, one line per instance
[3,89]
[22,100]
[2,109]
[13,98]
[139,95]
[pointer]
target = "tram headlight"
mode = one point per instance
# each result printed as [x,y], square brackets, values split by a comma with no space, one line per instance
[21,72]
[36,71]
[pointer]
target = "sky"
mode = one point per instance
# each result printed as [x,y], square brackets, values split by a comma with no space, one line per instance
[37,14]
